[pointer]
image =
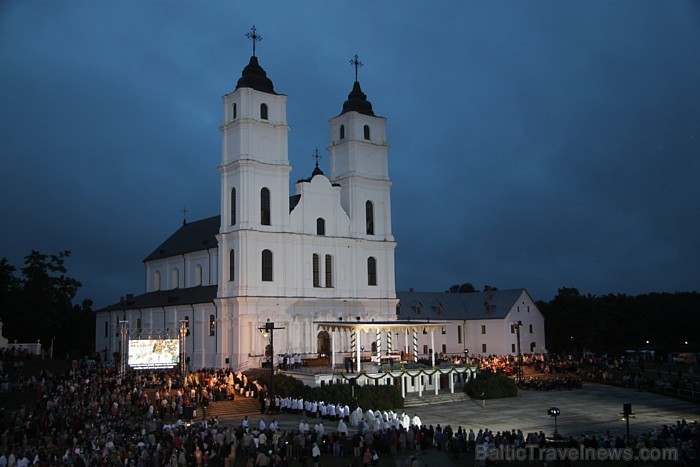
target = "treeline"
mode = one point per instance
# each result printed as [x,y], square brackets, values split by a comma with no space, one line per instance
[36,303]
[614,323]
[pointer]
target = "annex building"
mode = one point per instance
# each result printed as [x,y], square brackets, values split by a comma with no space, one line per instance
[324,254]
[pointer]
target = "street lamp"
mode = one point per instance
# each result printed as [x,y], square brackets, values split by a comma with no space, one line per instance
[554,412]
[269,331]
[183,332]
[626,414]
[520,356]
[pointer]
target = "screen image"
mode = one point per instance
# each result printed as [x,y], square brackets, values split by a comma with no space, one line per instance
[153,353]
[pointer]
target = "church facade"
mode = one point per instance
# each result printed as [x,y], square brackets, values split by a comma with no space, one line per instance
[325,253]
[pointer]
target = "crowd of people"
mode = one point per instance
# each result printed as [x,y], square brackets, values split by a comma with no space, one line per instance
[539,383]
[375,434]
[558,371]
[90,416]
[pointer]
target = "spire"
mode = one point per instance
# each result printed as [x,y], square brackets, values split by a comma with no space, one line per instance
[253,74]
[355,61]
[357,100]
[254,37]
[317,170]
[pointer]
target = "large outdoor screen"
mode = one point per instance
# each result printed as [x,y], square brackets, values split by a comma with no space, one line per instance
[153,353]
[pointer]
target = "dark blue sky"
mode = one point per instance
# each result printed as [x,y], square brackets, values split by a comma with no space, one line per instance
[536,144]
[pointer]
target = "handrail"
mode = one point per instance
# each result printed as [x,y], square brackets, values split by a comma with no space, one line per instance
[242,366]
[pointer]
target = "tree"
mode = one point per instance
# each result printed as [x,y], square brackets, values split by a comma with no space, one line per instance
[39,304]
[464,288]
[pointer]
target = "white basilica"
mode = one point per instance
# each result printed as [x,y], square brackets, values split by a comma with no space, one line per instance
[325,252]
[322,255]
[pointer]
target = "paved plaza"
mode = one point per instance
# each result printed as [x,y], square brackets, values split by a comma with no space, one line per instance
[594,408]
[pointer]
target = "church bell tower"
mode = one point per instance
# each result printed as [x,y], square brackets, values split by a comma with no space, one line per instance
[359,163]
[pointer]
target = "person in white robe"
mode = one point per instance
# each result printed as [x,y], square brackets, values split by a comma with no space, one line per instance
[342,427]
[416,421]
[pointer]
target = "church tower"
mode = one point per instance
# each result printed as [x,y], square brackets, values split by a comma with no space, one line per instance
[359,163]
[254,177]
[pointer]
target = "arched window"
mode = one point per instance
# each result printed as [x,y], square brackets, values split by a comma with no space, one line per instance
[197,274]
[369,217]
[316,271]
[265,206]
[371,271]
[175,278]
[156,280]
[267,266]
[367,132]
[231,265]
[187,325]
[329,271]
[342,131]
[320,226]
[233,206]
[212,325]
[263,111]
[234,112]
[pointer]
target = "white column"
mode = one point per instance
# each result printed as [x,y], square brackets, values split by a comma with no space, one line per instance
[415,346]
[332,350]
[432,345]
[379,346]
[437,380]
[357,350]
[353,342]
[403,386]
[452,382]
[406,343]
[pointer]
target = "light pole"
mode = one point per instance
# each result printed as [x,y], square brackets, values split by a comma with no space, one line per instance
[554,412]
[626,414]
[269,331]
[520,356]
[183,351]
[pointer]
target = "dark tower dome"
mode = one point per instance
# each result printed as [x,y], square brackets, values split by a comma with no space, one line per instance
[357,102]
[255,77]
[317,171]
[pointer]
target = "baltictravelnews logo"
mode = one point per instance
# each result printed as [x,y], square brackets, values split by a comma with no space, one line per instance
[581,453]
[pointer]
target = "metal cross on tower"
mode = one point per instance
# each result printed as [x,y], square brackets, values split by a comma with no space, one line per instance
[184,215]
[253,36]
[356,63]
[316,156]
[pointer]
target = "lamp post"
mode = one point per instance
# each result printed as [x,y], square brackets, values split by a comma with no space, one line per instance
[554,412]
[520,356]
[268,330]
[183,351]
[626,414]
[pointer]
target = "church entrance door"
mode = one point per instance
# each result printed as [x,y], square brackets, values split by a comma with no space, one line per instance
[323,344]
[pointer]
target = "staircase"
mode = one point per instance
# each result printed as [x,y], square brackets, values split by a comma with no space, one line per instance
[224,410]
[430,398]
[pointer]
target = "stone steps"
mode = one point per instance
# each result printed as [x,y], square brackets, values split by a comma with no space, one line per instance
[227,409]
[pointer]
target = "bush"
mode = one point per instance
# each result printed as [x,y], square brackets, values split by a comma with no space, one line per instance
[373,397]
[491,386]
